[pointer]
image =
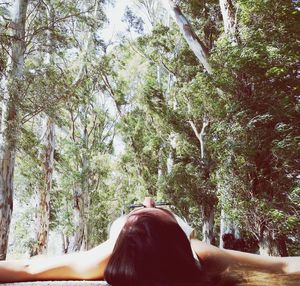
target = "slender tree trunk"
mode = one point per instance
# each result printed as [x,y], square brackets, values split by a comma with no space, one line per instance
[86,241]
[207,210]
[78,219]
[65,242]
[172,152]
[230,20]
[229,232]
[270,245]
[81,195]
[200,135]
[208,216]
[10,124]
[80,192]
[173,136]
[47,158]
[43,212]
[81,198]
[196,45]
[267,245]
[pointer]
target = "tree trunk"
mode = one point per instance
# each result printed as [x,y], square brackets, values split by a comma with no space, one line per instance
[65,242]
[267,246]
[281,246]
[230,236]
[208,216]
[208,211]
[200,135]
[196,45]
[81,196]
[271,246]
[172,153]
[78,219]
[47,158]
[229,19]
[10,124]
[229,233]
[44,190]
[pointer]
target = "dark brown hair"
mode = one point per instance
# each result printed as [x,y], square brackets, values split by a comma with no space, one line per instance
[152,252]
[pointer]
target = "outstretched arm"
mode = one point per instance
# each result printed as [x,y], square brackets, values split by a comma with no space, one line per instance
[87,265]
[218,260]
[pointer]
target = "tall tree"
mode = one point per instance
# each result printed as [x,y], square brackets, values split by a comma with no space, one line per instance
[10,120]
[228,228]
[258,96]
[47,155]
[81,190]
[200,50]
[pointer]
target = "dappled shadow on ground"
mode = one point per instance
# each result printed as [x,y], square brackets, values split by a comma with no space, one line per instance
[254,277]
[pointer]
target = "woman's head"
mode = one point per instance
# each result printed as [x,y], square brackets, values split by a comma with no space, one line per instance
[151,249]
[149,205]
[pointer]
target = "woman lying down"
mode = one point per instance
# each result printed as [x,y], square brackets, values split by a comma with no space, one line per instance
[148,247]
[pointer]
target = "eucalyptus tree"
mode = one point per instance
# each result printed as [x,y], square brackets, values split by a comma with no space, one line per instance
[82,108]
[44,187]
[52,46]
[200,49]
[83,168]
[263,182]
[10,118]
[227,71]
[158,100]
[228,227]
[45,84]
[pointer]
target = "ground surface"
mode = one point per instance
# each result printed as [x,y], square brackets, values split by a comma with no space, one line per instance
[246,278]
[58,283]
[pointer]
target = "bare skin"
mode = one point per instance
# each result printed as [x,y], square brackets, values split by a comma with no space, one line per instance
[90,265]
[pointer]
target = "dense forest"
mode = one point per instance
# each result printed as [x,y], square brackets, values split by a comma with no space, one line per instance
[195,103]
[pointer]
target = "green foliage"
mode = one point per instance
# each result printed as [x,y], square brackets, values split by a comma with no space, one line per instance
[154,88]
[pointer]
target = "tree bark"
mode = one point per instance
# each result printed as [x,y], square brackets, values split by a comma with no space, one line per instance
[81,188]
[270,245]
[65,242]
[267,245]
[200,135]
[80,191]
[228,229]
[229,19]
[196,45]
[208,216]
[78,219]
[207,210]
[47,159]
[43,213]
[10,123]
